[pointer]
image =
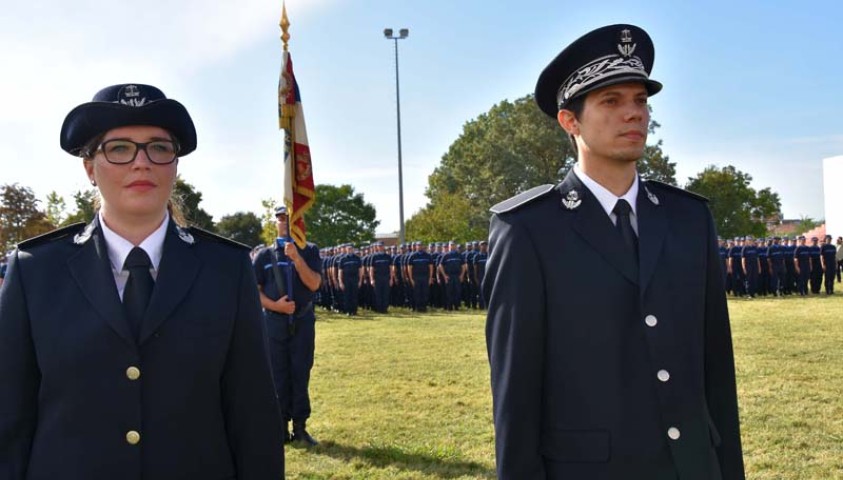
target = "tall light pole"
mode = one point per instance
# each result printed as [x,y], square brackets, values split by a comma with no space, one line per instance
[402,34]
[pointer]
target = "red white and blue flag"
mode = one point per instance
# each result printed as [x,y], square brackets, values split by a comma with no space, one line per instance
[299,191]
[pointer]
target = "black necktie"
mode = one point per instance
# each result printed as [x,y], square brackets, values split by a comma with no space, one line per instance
[138,288]
[624,226]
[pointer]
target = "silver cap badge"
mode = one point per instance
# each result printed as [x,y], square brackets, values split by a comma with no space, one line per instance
[572,200]
[626,47]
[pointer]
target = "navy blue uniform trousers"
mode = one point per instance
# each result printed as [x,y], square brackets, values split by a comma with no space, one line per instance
[291,355]
[381,288]
[421,290]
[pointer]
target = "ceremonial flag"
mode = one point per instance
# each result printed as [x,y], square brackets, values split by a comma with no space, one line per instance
[299,192]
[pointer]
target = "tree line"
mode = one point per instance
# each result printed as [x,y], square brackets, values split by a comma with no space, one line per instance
[502,152]
[340,215]
[514,147]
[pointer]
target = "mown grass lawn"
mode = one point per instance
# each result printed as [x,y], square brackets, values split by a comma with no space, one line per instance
[404,396]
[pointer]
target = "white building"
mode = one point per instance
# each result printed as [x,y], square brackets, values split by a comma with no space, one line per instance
[833,192]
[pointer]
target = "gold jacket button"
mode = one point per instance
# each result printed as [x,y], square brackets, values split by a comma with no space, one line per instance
[133,373]
[132,437]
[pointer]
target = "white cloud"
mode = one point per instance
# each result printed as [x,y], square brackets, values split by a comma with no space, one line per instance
[56,54]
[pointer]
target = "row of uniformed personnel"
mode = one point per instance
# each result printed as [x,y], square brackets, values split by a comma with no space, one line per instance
[779,266]
[411,275]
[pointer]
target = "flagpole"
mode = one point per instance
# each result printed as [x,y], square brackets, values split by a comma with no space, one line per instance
[286,117]
[299,187]
[286,120]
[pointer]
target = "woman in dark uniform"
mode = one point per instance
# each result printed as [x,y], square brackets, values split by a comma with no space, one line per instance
[134,347]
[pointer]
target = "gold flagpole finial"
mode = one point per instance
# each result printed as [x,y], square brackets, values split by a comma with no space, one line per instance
[285,25]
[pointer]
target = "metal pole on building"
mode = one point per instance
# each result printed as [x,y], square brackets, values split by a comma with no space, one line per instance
[402,34]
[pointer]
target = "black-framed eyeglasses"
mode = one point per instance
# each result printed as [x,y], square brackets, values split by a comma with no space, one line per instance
[121,152]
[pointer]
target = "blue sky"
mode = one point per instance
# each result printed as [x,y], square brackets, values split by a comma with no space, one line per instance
[754,84]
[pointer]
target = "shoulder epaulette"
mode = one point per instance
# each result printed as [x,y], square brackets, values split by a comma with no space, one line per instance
[675,189]
[52,235]
[522,199]
[216,238]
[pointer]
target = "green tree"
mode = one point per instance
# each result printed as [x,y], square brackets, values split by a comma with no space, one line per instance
[737,208]
[243,227]
[655,165]
[806,224]
[509,149]
[445,219]
[55,211]
[340,215]
[86,207]
[190,199]
[268,231]
[20,217]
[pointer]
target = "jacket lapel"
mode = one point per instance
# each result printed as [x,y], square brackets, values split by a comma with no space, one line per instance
[595,227]
[652,229]
[91,268]
[176,274]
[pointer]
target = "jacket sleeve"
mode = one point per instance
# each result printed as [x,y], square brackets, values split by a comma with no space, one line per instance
[721,392]
[515,331]
[19,377]
[252,420]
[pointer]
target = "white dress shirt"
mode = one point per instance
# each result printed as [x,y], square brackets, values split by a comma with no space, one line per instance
[119,248]
[608,199]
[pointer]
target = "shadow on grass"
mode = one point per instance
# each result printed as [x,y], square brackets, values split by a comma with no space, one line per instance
[440,466]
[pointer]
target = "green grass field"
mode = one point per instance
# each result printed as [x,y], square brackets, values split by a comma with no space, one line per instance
[405,396]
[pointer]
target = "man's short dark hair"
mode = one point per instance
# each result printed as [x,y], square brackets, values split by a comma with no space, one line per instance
[575,106]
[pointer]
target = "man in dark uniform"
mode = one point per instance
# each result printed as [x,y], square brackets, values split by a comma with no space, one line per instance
[420,272]
[397,278]
[379,277]
[452,270]
[409,292]
[471,282]
[802,266]
[816,266]
[728,266]
[608,333]
[349,274]
[839,258]
[480,269]
[287,277]
[828,254]
[333,275]
[764,273]
[325,296]
[436,293]
[724,258]
[750,265]
[776,260]
[736,268]
[788,252]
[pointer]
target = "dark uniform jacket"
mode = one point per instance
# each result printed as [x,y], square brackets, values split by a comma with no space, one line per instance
[195,390]
[597,363]
[277,323]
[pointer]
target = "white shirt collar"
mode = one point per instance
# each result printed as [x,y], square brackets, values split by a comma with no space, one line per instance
[606,198]
[119,247]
